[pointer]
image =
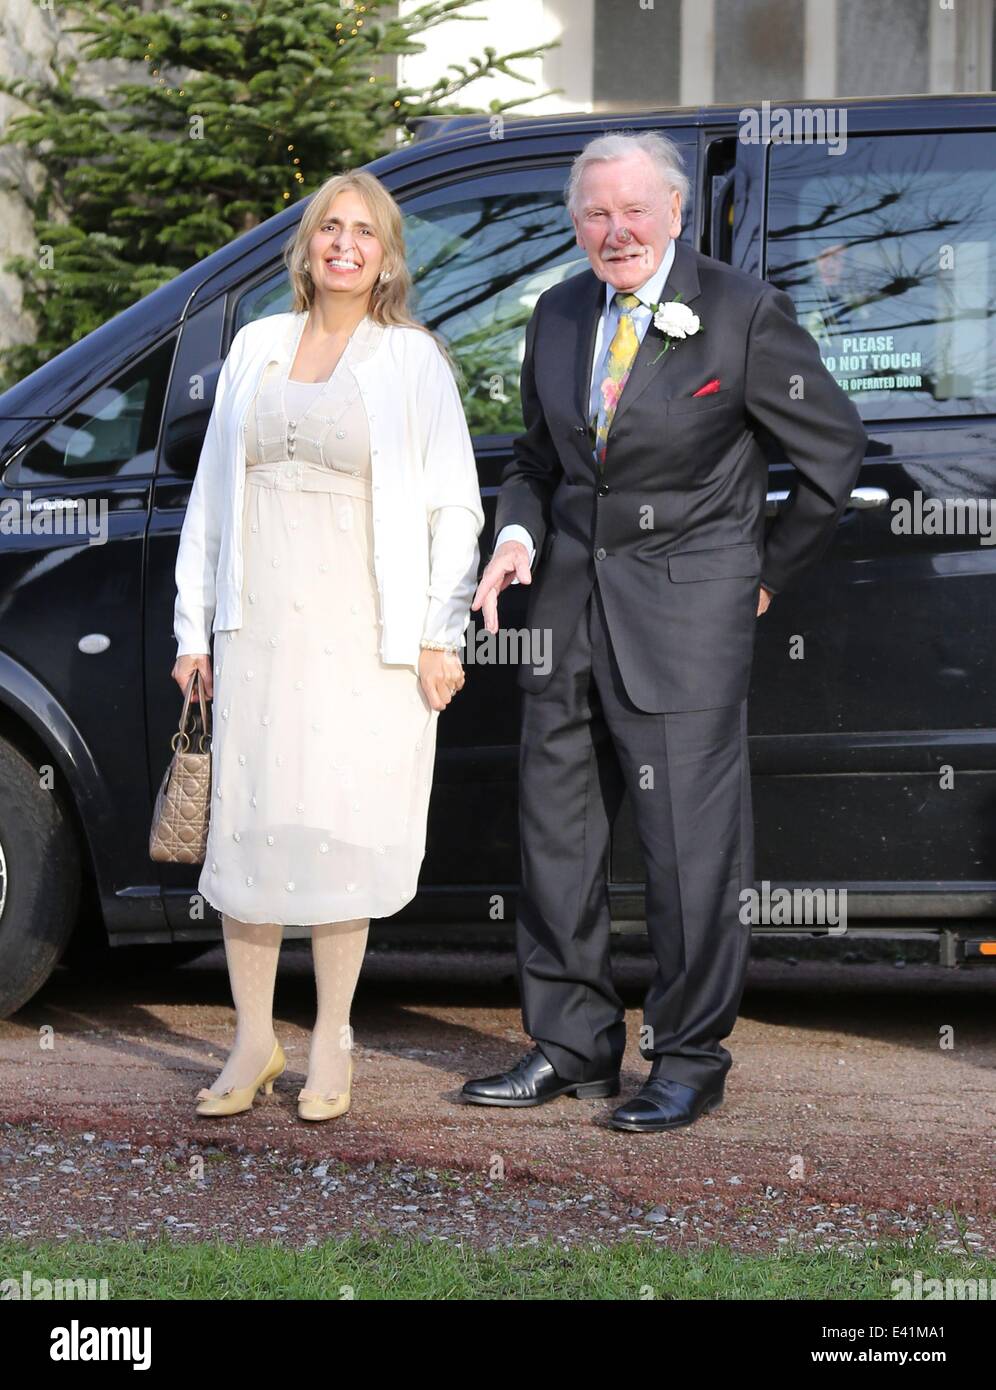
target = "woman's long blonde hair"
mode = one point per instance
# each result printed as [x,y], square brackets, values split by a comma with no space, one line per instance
[388,298]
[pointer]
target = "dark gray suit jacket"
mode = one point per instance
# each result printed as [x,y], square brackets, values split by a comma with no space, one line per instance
[674,531]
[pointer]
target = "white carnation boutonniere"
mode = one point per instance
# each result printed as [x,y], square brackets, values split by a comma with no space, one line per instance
[675,320]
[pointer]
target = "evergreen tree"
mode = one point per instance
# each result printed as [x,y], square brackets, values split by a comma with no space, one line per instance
[227,111]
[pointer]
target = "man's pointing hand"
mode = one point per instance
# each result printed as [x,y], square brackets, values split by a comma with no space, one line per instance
[510,561]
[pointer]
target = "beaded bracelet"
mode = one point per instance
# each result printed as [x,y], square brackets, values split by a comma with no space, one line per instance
[428,646]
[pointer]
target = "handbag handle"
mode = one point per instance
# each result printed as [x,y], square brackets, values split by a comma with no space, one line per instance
[181,733]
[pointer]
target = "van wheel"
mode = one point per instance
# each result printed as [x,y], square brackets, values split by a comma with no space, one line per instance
[39,880]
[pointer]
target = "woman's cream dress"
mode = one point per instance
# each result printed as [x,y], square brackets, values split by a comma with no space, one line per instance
[322,754]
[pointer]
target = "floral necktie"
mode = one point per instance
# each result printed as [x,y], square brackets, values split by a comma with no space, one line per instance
[618,364]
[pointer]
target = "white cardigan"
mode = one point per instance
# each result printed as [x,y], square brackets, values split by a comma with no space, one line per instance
[427,511]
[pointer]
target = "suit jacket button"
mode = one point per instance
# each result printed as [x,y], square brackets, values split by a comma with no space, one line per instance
[603,489]
[599,554]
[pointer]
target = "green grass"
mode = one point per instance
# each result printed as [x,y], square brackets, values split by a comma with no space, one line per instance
[396,1268]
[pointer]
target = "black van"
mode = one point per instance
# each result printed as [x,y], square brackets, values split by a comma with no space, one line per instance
[873,704]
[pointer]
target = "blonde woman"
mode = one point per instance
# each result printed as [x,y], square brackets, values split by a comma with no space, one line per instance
[331,544]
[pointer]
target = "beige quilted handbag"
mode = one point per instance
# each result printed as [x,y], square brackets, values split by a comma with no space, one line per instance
[180,818]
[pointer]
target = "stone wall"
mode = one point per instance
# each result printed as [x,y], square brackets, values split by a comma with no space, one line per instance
[28,38]
[31,35]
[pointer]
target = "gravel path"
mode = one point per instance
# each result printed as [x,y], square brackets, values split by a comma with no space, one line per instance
[845,1120]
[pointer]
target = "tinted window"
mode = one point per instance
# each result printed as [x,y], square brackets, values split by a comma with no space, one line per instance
[273,296]
[889,252]
[111,434]
[479,265]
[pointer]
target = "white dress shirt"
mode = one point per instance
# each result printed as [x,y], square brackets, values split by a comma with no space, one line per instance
[648,293]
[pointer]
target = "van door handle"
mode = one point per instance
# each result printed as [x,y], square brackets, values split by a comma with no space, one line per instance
[864,497]
[861,499]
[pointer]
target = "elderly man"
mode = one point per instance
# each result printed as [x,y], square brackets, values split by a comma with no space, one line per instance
[640,482]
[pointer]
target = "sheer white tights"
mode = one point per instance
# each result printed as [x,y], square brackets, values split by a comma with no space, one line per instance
[253,951]
[338,949]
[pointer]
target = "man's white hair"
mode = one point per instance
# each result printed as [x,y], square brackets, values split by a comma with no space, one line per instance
[664,154]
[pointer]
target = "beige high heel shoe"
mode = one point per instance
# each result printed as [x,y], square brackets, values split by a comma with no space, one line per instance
[239,1098]
[312,1107]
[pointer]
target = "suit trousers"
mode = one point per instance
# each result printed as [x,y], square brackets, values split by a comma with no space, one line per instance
[584,745]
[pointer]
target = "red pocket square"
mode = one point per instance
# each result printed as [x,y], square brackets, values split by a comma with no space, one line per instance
[708,389]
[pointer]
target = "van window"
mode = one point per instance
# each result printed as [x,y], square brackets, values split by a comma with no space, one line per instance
[273,296]
[479,264]
[111,434]
[889,252]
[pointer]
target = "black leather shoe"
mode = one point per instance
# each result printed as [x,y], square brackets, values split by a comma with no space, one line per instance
[531,1082]
[664,1104]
